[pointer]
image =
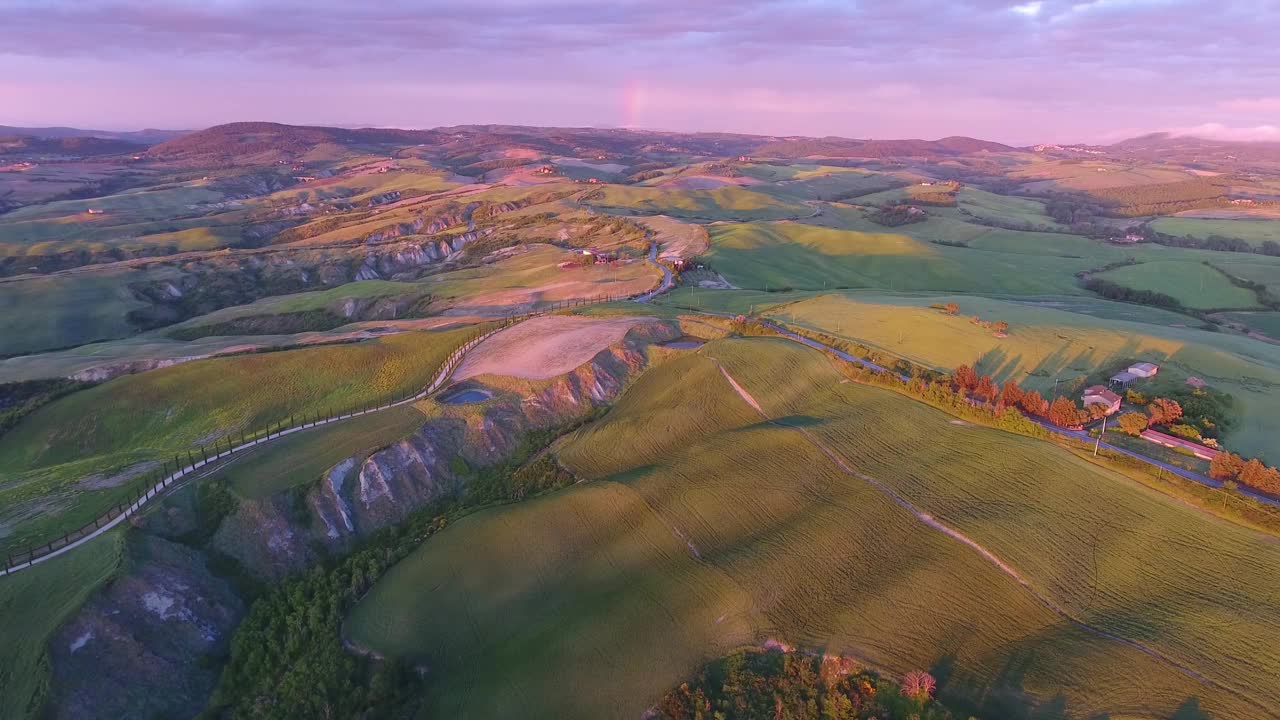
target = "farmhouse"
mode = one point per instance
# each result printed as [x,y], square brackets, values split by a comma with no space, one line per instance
[1144,369]
[1196,382]
[1099,395]
[1134,372]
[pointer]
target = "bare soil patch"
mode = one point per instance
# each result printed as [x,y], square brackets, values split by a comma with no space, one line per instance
[545,347]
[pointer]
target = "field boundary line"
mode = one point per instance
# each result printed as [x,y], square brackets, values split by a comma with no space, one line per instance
[932,522]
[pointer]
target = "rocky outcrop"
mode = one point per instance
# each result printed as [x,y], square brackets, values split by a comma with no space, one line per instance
[151,643]
[358,496]
[140,647]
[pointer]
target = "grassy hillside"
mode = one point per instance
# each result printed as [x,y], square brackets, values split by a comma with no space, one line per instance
[1252,231]
[299,459]
[60,463]
[706,529]
[33,604]
[726,203]
[801,256]
[70,309]
[1059,342]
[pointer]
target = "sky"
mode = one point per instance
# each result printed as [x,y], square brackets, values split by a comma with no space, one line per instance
[1018,72]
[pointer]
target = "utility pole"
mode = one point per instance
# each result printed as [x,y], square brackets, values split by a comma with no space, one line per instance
[1101,432]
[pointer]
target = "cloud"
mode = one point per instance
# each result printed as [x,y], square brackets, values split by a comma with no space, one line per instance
[1041,69]
[1218,131]
[1030,9]
[1262,105]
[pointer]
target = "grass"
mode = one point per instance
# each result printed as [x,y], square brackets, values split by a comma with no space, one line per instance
[33,605]
[1251,231]
[1266,322]
[1195,285]
[705,529]
[145,203]
[56,311]
[725,203]
[306,301]
[300,459]
[1261,270]
[1052,342]
[155,415]
[802,256]
[534,277]
[1004,207]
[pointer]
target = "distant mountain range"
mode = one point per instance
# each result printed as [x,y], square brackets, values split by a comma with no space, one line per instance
[250,142]
[137,137]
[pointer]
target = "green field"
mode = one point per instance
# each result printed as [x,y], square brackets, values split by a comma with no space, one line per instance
[46,459]
[1195,285]
[726,203]
[331,299]
[1051,342]
[983,204]
[705,529]
[1268,323]
[1260,270]
[33,604]
[1252,231]
[42,313]
[802,256]
[299,459]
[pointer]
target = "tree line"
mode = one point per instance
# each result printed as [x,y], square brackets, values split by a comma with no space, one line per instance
[752,684]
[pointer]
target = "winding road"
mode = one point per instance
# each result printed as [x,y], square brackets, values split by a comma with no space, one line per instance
[200,466]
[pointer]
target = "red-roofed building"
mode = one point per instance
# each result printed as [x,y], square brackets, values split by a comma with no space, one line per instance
[1099,395]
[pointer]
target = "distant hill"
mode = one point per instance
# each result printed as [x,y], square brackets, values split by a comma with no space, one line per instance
[257,142]
[848,148]
[245,143]
[136,137]
[1186,148]
[76,146]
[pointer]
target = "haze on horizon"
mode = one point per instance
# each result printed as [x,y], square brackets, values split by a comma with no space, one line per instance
[1037,71]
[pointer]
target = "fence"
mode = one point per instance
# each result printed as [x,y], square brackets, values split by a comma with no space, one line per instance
[171,471]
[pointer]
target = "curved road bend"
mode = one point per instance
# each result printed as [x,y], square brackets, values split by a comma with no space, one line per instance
[187,473]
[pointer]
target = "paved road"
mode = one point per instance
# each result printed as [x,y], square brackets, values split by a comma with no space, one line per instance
[667,278]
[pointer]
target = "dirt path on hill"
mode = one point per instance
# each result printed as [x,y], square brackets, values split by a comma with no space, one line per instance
[987,554]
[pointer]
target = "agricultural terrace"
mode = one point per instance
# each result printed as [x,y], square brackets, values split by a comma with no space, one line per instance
[68,461]
[1056,344]
[707,529]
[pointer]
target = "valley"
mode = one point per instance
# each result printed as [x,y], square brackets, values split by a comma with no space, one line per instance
[495,421]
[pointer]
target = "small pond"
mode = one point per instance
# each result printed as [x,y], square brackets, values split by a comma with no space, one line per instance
[464,397]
